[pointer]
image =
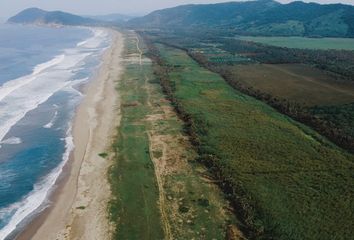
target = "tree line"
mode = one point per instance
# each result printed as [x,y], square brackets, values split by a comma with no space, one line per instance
[337,62]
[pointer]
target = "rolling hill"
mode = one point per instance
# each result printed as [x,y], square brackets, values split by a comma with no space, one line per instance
[262,17]
[42,17]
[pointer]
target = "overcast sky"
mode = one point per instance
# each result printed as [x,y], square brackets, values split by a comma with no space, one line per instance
[11,7]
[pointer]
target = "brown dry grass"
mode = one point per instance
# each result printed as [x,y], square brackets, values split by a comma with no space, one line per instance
[296,82]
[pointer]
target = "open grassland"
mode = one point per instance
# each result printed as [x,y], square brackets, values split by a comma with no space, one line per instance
[309,91]
[303,42]
[134,208]
[160,191]
[295,82]
[320,99]
[288,181]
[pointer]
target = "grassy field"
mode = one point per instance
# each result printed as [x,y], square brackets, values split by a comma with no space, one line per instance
[303,42]
[134,208]
[316,97]
[194,206]
[159,190]
[295,82]
[290,182]
[300,83]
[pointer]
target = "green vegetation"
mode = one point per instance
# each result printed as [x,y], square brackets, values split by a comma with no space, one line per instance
[294,82]
[340,118]
[341,63]
[134,208]
[103,155]
[254,18]
[194,207]
[286,181]
[159,190]
[304,42]
[288,28]
[290,80]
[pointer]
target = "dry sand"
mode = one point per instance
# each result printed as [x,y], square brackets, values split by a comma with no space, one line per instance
[79,209]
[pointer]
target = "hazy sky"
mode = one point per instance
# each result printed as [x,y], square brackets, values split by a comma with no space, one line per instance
[11,7]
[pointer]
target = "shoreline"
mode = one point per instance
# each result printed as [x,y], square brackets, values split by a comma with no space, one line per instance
[77,195]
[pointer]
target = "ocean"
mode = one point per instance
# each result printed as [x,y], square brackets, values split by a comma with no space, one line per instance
[41,73]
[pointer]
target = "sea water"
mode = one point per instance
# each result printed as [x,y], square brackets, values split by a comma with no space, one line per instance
[41,71]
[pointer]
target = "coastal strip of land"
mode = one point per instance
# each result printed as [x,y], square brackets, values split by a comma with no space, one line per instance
[159,189]
[79,204]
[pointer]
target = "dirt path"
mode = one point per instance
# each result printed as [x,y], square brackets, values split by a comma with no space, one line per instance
[182,188]
[139,50]
[158,174]
[164,218]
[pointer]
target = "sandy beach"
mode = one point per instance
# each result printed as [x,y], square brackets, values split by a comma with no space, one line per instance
[79,208]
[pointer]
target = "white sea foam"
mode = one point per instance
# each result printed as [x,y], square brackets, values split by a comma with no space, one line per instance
[28,97]
[51,122]
[10,86]
[69,88]
[95,41]
[81,43]
[72,87]
[19,96]
[37,199]
[43,66]
[12,141]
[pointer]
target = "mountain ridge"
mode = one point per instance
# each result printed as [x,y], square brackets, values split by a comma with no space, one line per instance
[42,17]
[262,17]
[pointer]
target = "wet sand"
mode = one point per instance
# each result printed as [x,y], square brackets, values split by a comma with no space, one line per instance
[79,204]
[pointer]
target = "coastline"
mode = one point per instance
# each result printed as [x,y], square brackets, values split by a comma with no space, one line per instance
[78,207]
